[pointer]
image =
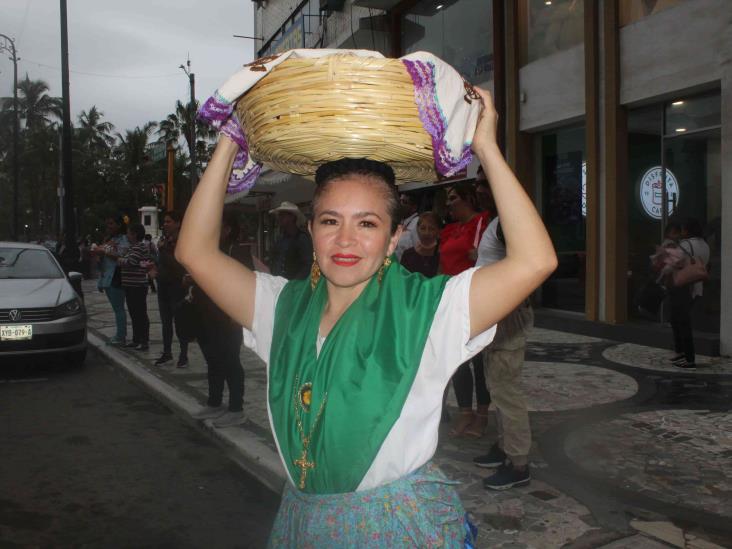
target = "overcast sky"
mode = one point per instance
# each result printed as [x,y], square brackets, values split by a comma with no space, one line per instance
[124,56]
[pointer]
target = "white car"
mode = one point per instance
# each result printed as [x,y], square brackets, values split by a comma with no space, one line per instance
[40,312]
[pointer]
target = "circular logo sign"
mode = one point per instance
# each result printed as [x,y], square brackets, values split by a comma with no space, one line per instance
[651,192]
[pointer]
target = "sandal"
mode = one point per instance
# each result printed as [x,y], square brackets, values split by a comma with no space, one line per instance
[463,421]
[478,427]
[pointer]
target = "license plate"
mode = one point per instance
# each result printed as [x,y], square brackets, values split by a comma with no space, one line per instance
[16,331]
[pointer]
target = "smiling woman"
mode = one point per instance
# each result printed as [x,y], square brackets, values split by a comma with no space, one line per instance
[359,355]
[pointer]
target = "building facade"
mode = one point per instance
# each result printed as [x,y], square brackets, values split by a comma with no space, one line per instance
[600,101]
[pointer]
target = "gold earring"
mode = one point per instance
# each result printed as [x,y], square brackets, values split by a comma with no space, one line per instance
[384,265]
[314,272]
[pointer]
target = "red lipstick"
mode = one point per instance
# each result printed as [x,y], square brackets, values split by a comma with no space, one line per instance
[345,260]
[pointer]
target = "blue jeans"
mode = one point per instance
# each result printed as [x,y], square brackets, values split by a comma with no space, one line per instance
[116,297]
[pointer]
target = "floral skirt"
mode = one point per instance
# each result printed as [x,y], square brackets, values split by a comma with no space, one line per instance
[420,510]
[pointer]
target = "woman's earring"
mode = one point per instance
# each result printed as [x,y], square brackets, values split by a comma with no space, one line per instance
[314,272]
[384,265]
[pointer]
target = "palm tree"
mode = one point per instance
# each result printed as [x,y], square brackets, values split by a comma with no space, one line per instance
[132,156]
[178,124]
[36,107]
[93,133]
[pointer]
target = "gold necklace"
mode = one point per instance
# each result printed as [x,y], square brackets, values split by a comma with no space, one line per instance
[300,396]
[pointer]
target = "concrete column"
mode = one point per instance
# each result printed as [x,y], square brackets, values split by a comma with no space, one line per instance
[725,326]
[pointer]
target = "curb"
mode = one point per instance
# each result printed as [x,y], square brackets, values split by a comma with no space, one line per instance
[245,448]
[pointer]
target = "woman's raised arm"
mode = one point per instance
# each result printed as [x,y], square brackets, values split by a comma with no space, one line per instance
[497,289]
[226,281]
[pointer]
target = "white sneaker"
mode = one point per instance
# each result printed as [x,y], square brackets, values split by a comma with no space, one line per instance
[210,412]
[229,419]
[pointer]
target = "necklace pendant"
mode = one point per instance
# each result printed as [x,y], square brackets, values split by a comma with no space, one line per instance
[305,396]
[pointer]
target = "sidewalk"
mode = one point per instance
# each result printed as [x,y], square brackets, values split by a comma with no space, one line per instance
[628,452]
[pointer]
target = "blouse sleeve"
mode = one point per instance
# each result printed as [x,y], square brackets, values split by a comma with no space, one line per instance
[259,338]
[448,342]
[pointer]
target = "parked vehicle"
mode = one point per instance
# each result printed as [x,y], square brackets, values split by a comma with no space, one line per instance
[40,312]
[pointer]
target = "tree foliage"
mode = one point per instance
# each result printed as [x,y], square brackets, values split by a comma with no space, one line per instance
[113,172]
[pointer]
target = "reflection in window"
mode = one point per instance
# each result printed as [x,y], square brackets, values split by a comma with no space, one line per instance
[457,31]
[562,210]
[548,27]
[685,115]
[634,10]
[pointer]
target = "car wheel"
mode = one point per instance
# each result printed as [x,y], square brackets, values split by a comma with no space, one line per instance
[76,359]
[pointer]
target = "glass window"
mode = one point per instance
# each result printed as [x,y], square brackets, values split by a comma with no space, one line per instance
[564,212]
[692,161]
[685,115]
[457,31]
[634,10]
[549,26]
[25,263]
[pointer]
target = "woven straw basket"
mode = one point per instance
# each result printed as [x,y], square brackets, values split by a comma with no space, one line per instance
[309,111]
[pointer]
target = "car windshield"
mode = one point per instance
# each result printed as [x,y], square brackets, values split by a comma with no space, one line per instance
[27,263]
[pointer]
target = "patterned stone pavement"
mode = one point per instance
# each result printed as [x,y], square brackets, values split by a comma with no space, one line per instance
[598,409]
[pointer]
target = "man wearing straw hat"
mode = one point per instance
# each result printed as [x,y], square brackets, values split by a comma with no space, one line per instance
[293,251]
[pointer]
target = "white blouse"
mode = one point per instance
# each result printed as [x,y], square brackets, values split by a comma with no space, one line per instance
[412,440]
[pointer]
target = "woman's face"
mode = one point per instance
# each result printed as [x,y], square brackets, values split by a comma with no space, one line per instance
[351,230]
[170,226]
[112,227]
[460,210]
[427,230]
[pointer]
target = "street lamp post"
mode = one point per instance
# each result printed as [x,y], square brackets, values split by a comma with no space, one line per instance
[69,217]
[192,123]
[7,44]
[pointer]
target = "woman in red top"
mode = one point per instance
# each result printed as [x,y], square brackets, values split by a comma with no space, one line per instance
[458,252]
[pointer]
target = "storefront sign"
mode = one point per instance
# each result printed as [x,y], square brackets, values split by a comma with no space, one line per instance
[651,192]
[293,38]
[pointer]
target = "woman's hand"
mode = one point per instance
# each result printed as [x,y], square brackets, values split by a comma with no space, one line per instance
[487,128]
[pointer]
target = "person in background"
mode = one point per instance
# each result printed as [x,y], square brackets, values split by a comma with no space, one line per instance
[682,298]
[484,194]
[220,339]
[424,256]
[171,292]
[292,255]
[504,360]
[410,214]
[153,251]
[110,281]
[135,265]
[458,252]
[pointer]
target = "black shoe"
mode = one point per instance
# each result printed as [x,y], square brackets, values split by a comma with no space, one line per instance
[182,362]
[494,458]
[165,357]
[142,347]
[131,345]
[678,358]
[691,366]
[507,476]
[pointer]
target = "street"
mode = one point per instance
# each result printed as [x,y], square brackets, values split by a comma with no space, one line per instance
[90,459]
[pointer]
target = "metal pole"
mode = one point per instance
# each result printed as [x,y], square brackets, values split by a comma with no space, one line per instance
[169,198]
[16,130]
[69,217]
[194,169]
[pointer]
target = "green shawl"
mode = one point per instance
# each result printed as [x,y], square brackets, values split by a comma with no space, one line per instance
[365,370]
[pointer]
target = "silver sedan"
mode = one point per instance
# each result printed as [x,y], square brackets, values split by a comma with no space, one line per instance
[40,312]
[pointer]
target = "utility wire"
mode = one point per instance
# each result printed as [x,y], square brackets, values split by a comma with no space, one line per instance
[101,75]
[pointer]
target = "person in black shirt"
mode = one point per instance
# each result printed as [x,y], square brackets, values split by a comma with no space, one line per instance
[220,339]
[171,292]
[292,256]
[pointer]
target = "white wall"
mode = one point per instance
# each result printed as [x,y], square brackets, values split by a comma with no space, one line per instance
[553,88]
[677,49]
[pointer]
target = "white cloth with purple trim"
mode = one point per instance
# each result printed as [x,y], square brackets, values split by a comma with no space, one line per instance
[439,92]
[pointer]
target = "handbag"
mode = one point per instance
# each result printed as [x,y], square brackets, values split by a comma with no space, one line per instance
[186,318]
[693,270]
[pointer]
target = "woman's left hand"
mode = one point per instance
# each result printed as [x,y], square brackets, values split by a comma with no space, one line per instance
[487,128]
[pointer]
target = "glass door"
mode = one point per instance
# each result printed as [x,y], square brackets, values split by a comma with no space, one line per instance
[679,142]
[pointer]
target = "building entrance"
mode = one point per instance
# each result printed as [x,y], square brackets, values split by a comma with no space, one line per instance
[680,141]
